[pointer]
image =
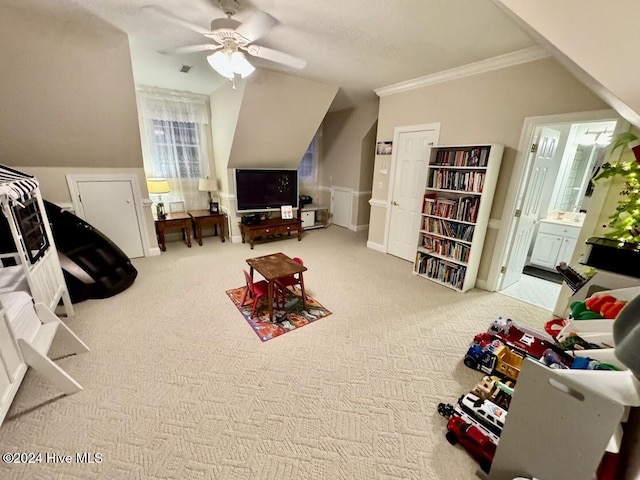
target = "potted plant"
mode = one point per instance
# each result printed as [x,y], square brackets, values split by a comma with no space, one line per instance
[629,139]
[624,224]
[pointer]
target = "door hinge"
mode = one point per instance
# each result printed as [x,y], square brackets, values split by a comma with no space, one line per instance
[518,213]
[80,198]
[503,270]
[534,147]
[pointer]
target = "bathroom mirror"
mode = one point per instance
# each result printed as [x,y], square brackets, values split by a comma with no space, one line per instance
[581,162]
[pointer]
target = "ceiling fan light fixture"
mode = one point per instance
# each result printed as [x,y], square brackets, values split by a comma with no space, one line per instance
[228,64]
[241,65]
[221,63]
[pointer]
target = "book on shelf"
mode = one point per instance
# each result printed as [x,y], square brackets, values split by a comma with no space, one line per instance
[459,188]
[471,157]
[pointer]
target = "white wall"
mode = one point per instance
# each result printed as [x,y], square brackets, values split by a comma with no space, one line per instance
[597,41]
[484,108]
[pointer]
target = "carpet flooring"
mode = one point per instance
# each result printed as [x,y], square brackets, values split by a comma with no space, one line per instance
[177,387]
[287,319]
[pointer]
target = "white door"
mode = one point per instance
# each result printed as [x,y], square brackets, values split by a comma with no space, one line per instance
[543,173]
[341,207]
[412,151]
[110,207]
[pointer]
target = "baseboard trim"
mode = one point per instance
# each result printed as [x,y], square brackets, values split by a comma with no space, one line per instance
[358,228]
[376,246]
[236,239]
[154,252]
[481,284]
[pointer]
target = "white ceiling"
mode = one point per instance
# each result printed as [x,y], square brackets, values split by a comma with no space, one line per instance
[359,45]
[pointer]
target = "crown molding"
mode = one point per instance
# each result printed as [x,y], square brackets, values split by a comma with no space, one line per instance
[525,55]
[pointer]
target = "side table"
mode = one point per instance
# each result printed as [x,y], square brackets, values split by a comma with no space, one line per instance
[174,221]
[202,218]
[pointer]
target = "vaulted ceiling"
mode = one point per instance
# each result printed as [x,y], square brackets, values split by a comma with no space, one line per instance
[357,45]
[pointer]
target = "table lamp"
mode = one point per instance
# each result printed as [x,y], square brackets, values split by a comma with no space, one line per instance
[208,185]
[158,186]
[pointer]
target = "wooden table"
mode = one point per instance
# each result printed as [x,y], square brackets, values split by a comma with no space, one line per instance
[174,221]
[270,227]
[274,266]
[202,218]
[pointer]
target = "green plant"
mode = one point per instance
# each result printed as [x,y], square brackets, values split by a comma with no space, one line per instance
[624,224]
[622,139]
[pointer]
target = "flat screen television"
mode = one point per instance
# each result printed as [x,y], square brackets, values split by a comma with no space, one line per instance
[266,189]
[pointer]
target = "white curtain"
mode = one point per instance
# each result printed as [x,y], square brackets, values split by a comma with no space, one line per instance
[174,143]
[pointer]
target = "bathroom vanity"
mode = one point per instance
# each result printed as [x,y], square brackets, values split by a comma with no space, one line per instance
[555,242]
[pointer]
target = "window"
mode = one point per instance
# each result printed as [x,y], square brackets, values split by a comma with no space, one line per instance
[173,128]
[31,226]
[178,149]
[308,168]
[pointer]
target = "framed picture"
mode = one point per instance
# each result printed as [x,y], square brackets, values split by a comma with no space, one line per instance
[214,207]
[286,212]
[383,148]
[176,207]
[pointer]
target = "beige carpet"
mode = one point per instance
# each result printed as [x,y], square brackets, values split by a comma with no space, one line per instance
[178,386]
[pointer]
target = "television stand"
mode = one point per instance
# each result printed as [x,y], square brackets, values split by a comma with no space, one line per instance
[273,227]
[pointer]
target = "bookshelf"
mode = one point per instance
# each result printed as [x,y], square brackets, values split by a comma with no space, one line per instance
[461,181]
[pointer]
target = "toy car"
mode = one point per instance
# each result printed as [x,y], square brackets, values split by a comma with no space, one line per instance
[447,410]
[491,388]
[492,360]
[485,412]
[473,440]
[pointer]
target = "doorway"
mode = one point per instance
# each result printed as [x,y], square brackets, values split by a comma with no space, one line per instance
[409,162]
[113,205]
[551,207]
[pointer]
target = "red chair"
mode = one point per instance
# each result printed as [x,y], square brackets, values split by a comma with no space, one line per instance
[257,290]
[290,280]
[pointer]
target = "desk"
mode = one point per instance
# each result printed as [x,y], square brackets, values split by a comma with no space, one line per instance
[274,266]
[202,218]
[174,221]
[270,227]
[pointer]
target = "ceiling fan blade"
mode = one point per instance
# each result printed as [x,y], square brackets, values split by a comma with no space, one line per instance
[276,56]
[256,26]
[177,20]
[192,49]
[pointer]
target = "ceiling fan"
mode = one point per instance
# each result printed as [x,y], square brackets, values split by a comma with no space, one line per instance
[230,38]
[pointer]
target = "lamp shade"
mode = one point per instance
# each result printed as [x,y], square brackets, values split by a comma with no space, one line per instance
[228,64]
[158,186]
[221,63]
[207,185]
[240,64]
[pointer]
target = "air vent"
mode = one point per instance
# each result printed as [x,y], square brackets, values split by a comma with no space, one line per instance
[185,68]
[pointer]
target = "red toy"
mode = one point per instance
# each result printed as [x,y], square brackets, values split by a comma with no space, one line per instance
[474,441]
[526,340]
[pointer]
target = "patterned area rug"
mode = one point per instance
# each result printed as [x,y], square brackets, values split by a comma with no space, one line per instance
[286,320]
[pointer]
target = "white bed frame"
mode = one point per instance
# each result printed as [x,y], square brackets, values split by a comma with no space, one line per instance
[46,287]
[16,354]
[44,277]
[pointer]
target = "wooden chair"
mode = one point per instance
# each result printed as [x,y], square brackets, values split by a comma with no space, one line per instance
[257,290]
[290,280]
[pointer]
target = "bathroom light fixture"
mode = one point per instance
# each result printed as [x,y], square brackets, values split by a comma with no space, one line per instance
[602,138]
[588,138]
